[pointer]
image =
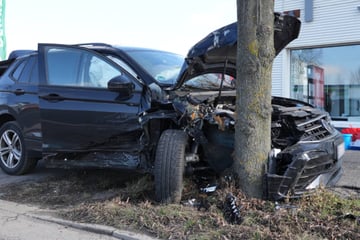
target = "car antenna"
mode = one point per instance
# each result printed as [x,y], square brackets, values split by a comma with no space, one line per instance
[221,83]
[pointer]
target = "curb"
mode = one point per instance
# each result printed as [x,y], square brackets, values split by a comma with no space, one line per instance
[94,228]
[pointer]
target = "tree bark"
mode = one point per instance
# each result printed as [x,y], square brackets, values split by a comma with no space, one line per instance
[255,55]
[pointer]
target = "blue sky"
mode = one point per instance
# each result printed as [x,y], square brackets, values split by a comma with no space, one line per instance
[162,24]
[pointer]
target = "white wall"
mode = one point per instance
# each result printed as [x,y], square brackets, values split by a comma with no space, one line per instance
[335,22]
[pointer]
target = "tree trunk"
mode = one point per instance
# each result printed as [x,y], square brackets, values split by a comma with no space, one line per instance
[255,55]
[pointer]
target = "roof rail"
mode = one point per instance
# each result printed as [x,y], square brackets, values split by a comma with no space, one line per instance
[93,44]
[18,53]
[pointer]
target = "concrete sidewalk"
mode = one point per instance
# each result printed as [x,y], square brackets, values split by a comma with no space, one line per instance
[22,222]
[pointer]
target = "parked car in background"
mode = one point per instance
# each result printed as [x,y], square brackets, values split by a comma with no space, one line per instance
[105,106]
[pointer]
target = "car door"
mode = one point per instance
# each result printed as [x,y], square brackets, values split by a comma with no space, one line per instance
[21,86]
[78,111]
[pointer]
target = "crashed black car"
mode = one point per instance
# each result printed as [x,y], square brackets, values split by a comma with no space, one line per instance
[105,106]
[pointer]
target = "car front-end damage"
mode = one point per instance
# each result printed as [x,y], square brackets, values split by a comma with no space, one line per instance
[306,150]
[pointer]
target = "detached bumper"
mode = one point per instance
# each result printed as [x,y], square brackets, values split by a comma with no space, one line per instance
[304,166]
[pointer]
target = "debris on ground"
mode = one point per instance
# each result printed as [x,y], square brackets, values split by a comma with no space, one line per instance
[201,204]
[106,198]
[231,210]
[350,216]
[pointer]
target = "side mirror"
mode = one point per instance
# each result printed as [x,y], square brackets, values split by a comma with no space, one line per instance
[121,84]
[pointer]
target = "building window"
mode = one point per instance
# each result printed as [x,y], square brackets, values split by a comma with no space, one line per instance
[329,78]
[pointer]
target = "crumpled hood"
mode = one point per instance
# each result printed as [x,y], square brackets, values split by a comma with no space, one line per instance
[220,46]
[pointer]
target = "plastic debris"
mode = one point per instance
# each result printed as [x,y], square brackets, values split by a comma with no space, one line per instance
[279,206]
[231,210]
[201,204]
[209,189]
[350,216]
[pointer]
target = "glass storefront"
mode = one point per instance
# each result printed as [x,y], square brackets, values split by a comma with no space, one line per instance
[329,78]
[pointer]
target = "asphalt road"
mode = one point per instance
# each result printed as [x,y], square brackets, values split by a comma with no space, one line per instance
[40,172]
[351,165]
[349,183]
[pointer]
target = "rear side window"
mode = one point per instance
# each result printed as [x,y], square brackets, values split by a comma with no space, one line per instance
[18,70]
[24,70]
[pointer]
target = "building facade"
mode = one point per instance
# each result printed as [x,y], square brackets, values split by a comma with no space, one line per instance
[322,66]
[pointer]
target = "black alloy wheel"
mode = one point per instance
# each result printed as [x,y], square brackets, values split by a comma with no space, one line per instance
[13,155]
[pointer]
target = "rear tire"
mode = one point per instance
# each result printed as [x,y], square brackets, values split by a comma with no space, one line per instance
[13,153]
[170,166]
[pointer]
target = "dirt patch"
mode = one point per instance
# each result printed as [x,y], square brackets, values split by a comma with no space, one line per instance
[126,202]
[78,187]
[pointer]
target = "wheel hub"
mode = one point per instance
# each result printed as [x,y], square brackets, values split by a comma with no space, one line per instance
[10,149]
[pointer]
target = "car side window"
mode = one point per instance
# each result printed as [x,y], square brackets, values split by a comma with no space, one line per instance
[25,75]
[22,72]
[100,72]
[18,70]
[122,64]
[63,66]
[77,67]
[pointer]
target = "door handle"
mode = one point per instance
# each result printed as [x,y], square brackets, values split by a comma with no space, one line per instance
[19,91]
[52,97]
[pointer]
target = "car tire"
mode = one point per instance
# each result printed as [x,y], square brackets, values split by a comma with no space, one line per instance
[170,166]
[13,152]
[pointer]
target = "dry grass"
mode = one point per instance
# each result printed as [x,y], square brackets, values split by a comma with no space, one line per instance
[105,197]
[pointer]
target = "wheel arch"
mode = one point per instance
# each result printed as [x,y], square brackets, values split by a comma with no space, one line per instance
[6,117]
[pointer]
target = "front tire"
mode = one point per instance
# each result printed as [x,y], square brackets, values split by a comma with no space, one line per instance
[170,166]
[13,154]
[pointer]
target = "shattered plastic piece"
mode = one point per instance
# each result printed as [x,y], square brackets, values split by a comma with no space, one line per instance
[190,202]
[284,206]
[209,189]
[201,204]
[231,210]
[351,217]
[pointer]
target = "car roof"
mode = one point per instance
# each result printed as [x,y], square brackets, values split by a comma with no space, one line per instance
[19,53]
[94,46]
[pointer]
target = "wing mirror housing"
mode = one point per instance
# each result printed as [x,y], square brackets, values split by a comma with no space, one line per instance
[122,84]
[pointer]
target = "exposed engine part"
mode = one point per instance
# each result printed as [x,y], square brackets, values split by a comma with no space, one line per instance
[192,157]
[297,132]
[272,160]
[222,115]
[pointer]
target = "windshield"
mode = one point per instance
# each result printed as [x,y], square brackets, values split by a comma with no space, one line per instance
[164,67]
[211,81]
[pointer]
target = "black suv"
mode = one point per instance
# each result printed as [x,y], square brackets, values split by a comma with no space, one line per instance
[104,106]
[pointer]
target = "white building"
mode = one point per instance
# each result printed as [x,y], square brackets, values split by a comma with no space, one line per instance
[322,66]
